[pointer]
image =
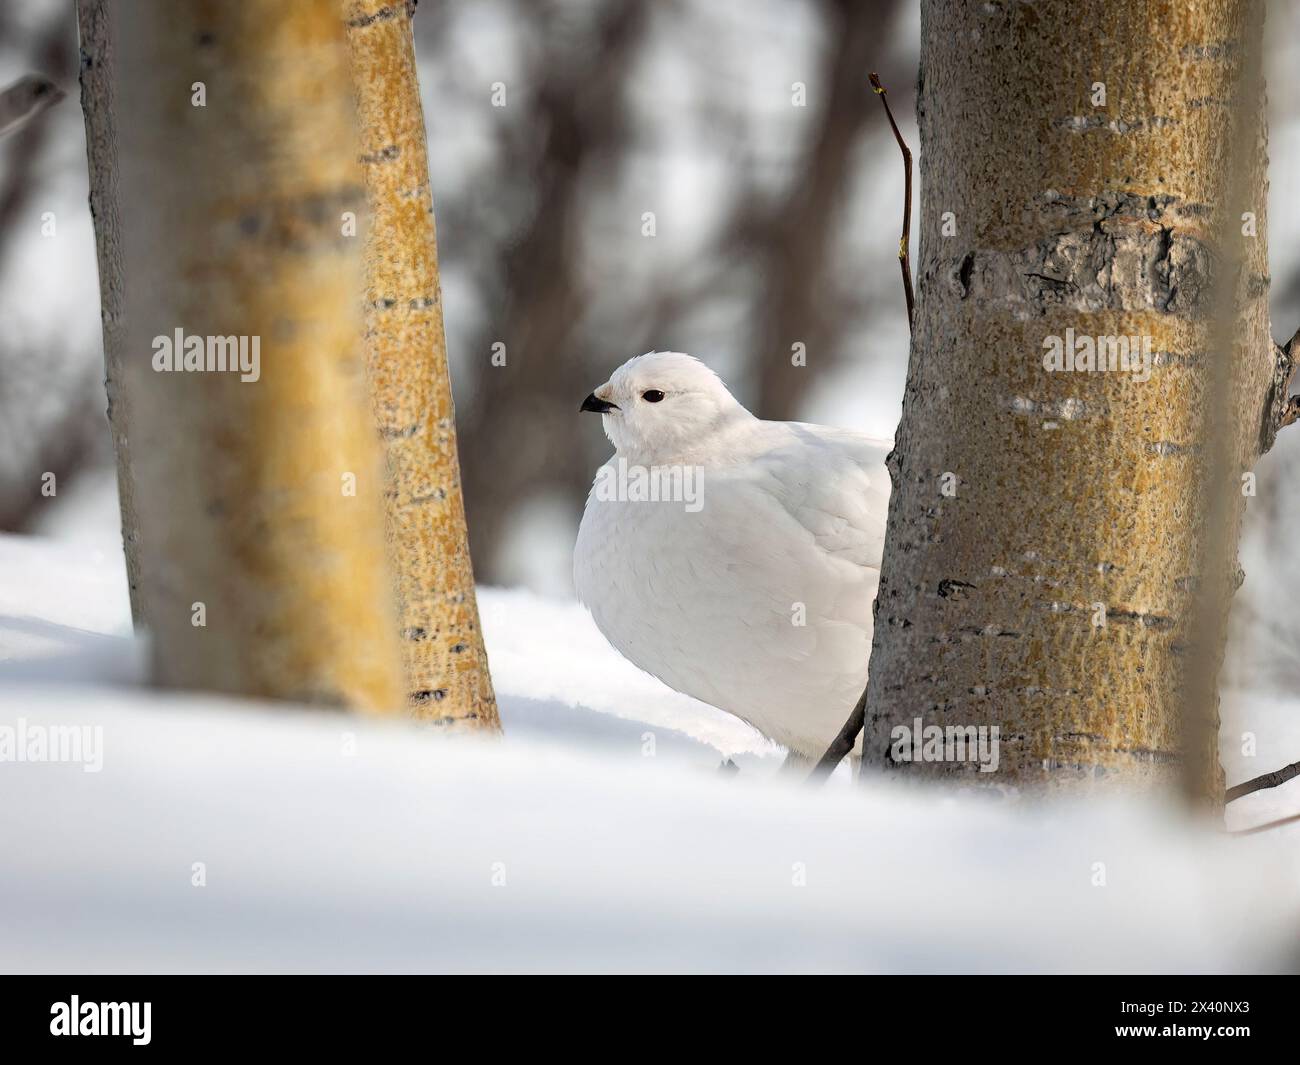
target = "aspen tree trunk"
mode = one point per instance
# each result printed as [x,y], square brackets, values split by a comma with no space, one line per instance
[1052,532]
[259,499]
[446,663]
[96,26]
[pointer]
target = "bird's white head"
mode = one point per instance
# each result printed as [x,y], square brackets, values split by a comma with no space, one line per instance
[663,405]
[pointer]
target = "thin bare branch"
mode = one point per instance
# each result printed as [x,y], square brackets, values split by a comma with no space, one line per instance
[905,243]
[843,743]
[1267,780]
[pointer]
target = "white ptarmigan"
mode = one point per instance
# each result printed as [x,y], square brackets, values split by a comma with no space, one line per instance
[748,582]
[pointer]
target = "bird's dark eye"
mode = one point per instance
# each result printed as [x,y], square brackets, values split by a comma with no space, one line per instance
[652,395]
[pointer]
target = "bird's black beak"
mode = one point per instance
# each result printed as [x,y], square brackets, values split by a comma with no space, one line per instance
[594,403]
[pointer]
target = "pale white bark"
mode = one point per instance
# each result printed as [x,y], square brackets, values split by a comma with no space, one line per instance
[96,25]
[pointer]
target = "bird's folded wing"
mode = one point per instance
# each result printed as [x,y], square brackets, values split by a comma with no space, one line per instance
[835,485]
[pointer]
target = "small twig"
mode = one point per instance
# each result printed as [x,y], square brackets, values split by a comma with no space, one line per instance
[843,743]
[905,243]
[1268,780]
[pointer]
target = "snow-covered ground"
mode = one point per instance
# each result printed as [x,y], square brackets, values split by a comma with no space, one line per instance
[598,835]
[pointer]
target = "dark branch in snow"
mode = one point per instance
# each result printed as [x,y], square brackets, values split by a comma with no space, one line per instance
[1269,780]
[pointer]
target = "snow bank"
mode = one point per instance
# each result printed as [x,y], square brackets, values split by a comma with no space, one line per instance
[598,836]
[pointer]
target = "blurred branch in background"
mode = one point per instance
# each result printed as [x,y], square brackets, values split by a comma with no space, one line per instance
[20,108]
[593,131]
[53,52]
[25,99]
[50,419]
[791,235]
[520,437]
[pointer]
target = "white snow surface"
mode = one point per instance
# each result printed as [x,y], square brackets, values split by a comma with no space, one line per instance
[598,835]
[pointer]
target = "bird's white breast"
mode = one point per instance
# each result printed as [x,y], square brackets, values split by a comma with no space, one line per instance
[750,603]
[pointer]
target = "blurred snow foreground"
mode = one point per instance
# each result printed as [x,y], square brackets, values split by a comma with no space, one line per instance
[220,835]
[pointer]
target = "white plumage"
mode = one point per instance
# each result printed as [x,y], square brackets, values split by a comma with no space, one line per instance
[757,599]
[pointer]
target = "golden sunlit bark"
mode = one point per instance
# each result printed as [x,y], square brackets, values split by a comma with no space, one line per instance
[258,490]
[446,663]
[1050,527]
